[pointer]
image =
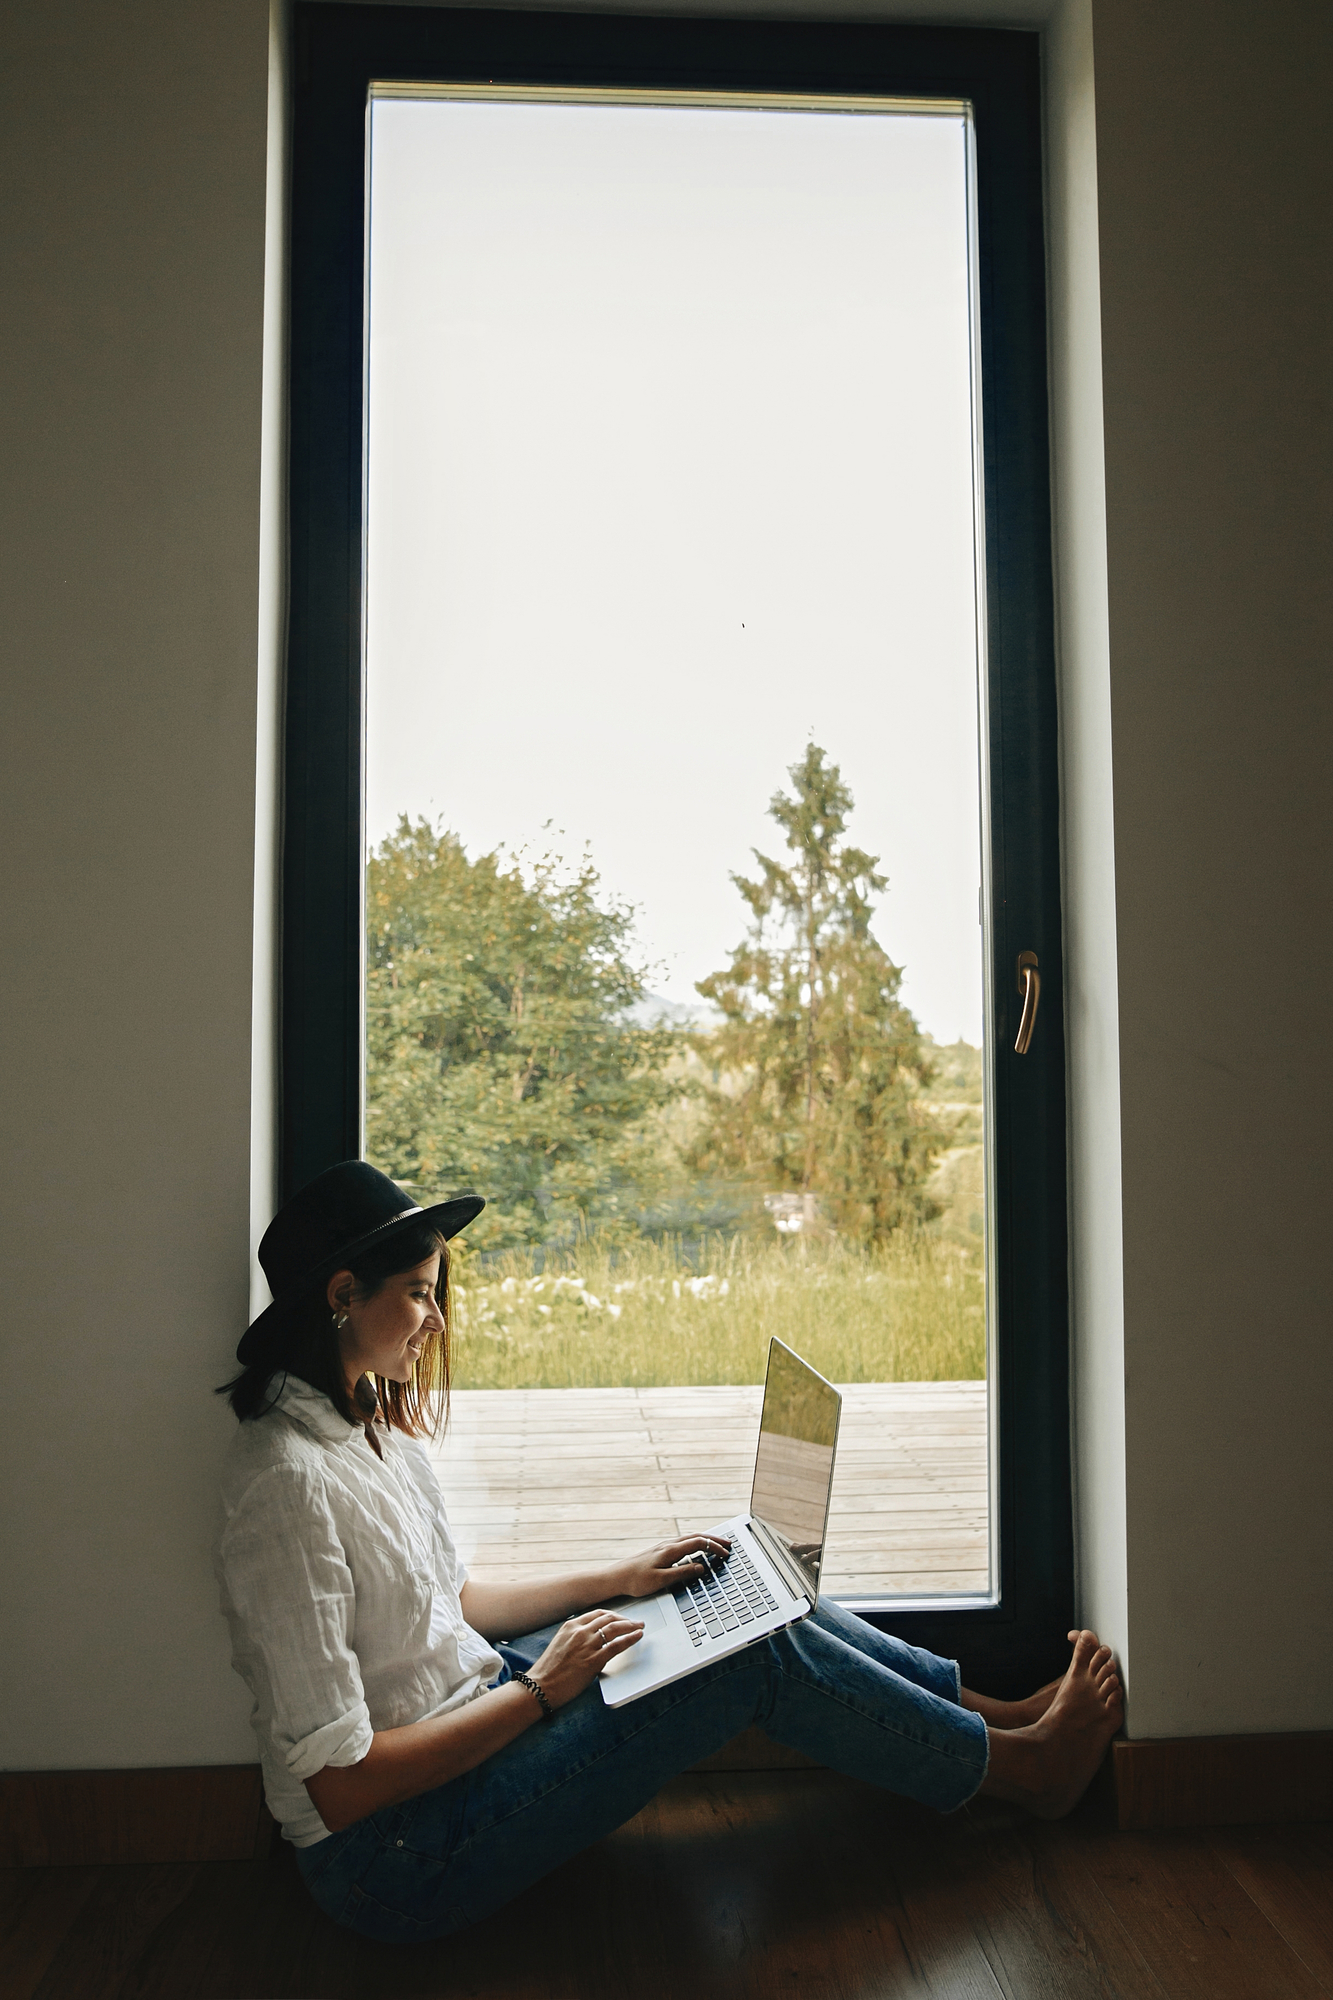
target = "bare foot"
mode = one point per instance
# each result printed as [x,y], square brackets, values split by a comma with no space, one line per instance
[1012,1714]
[1037,1704]
[1049,1764]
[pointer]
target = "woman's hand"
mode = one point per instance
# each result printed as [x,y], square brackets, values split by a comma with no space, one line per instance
[670,1564]
[498,1609]
[579,1651]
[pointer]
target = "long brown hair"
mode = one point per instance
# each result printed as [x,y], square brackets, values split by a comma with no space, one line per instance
[308,1347]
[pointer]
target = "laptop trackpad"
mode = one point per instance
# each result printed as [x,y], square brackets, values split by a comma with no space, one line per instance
[653,1613]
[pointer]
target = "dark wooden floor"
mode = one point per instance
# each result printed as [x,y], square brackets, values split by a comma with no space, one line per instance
[739,1884]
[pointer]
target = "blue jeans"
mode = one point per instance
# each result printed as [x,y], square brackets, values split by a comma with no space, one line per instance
[850,1697]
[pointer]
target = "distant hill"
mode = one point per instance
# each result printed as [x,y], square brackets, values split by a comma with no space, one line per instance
[656,1011]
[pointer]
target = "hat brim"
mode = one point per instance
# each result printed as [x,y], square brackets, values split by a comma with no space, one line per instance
[446,1218]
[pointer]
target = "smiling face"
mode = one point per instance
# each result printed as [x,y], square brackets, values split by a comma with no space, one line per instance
[386,1329]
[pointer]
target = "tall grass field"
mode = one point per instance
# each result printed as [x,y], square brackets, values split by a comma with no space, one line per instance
[652,1316]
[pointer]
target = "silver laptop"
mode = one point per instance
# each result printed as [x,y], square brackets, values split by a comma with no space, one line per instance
[771,1578]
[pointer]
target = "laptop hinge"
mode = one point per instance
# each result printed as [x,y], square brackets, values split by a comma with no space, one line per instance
[780,1560]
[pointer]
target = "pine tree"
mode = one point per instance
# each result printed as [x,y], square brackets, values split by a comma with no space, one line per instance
[820,1064]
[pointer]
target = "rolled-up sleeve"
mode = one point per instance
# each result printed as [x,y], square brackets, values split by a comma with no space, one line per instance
[291,1604]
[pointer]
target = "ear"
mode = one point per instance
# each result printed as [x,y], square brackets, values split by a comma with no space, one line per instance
[339,1293]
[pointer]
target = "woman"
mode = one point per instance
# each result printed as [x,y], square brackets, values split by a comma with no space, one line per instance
[425,1762]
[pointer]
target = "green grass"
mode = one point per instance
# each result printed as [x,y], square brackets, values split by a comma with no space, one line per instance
[645,1317]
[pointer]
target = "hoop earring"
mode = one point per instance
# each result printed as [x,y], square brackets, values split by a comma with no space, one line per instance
[340,1320]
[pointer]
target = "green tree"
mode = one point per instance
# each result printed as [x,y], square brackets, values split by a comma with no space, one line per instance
[820,1065]
[501,1049]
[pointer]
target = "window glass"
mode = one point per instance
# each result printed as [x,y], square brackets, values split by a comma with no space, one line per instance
[674,810]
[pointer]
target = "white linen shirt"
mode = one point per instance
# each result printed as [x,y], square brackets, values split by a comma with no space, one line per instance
[340,1583]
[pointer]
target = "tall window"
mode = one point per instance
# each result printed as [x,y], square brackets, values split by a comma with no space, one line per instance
[673,943]
[671,765]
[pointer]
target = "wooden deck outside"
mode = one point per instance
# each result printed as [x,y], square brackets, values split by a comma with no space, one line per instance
[537,1479]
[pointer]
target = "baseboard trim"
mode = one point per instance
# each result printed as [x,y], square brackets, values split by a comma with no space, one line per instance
[216,1812]
[54,1819]
[1223,1780]
[211,1812]
[1181,1781]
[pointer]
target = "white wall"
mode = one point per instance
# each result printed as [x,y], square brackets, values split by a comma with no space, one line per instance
[1087,831]
[142,586]
[133,219]
[1214,197]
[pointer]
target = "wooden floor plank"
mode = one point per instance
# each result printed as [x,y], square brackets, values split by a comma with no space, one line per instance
[926,1890]
[1193,1921]
[532,1474]
[1287,1871]
[100,1954]
[38,1910]
[269,1934]
[548,1507]
[1047,1930]
[733,1886]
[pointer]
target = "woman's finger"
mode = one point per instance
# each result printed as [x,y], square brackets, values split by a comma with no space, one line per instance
[695,1548]
[690,1567]
[615,1626]
[601,1645]
[597,1629]
[623,1643]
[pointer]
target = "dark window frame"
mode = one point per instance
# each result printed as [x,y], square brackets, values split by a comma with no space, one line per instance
[339,50]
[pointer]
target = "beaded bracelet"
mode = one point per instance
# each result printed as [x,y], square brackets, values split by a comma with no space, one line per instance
[525,1680]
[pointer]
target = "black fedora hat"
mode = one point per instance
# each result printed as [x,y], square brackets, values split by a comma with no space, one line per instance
[340,1212]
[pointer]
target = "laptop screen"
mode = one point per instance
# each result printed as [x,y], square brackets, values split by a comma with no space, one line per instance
[793,1469]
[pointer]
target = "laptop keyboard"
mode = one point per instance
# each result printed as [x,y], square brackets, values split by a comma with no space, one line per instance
[732,1595]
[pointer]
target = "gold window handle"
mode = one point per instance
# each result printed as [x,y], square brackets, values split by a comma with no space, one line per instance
[1029,985]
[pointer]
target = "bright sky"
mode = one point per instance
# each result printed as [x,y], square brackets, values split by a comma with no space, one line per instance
[670,468]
